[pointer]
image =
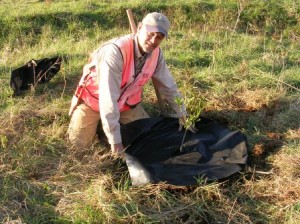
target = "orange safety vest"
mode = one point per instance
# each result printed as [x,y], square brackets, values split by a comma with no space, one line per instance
[131,89]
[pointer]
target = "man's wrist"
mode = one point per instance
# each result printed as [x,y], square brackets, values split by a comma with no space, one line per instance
[117,148]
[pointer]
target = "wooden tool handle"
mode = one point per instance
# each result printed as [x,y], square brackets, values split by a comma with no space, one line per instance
[131,20]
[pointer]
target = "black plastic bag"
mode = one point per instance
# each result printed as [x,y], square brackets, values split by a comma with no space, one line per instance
[153,151]
[33,73]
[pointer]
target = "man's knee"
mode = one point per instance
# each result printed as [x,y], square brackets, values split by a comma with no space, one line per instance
[79,143]
[82,127]
[78,140]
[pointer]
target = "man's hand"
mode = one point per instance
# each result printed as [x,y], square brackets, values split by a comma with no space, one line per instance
[117,149]
[182,123]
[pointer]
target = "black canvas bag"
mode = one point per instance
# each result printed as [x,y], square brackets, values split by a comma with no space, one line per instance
[33,73]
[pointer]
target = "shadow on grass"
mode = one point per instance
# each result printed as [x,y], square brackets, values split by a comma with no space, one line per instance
[266,127]
[26,201]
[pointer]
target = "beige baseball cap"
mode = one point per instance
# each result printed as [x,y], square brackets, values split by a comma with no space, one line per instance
[156,22]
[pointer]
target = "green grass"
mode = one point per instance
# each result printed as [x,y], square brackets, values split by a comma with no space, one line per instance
[239,57]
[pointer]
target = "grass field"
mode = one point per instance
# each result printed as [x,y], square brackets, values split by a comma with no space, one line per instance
[240,57]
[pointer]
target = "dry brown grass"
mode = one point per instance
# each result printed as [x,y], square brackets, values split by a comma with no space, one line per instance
[45,180]
[90,184]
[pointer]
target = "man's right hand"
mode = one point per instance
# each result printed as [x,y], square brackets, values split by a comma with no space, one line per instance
[117,148]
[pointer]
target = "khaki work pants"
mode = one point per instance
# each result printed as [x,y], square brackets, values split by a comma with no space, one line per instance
[84,123]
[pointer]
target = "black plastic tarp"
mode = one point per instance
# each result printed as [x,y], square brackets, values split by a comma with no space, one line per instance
[154,153]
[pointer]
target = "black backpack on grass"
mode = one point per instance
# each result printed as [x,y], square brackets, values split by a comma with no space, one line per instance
[34,72]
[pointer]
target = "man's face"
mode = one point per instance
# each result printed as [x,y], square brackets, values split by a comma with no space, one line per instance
[148,41]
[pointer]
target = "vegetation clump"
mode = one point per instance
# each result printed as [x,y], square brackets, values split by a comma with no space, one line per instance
[236,61]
